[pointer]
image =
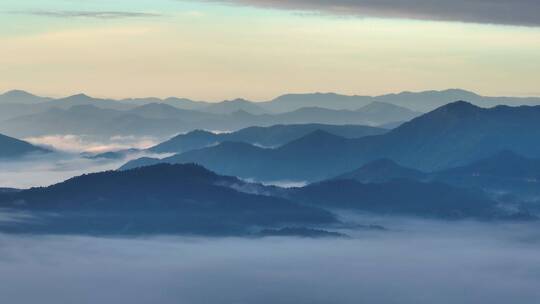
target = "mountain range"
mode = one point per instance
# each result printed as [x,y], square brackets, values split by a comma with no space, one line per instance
[504,172]
[162,120]
[163,199]
[272,136]
[417,101]
[398,197]
[23,114]
[189,199]
[453,135]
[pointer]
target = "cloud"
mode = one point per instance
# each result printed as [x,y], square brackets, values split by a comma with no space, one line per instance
[45,170]
[89,14]
[506,12]
[421,263]
[82,143]
[50,169]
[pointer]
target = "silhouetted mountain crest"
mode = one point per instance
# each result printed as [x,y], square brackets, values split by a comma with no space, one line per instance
[79,97]
[318,139]
[459,107]
[20,97]
[185,199]
[11,147]
[18,94]
[273,136]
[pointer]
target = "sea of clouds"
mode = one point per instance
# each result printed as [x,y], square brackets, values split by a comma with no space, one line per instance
[414,261]
[68,159]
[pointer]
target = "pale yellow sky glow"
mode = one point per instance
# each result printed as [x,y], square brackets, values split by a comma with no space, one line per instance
[212,52]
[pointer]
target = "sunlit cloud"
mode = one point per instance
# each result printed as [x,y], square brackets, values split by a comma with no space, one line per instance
[77,143]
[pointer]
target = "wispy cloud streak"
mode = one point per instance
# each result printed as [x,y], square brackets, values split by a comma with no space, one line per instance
[88,14]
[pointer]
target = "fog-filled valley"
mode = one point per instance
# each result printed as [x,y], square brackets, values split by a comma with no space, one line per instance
[244,202]
[269,152]
[414,261]
[71,155]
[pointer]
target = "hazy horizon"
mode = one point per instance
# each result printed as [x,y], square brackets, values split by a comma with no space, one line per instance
[217,50]
[58,96]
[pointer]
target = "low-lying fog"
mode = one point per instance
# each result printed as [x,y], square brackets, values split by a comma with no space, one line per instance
[67,162]
[92,144]
[413,262]
[50,169]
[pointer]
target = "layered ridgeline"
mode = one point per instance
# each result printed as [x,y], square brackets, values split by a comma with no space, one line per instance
[158,119]
[23,114]
[400,197]
[453,135]
[272,136]
[176,199]
[188,199]
[152,119]
[500,174]
[12,148]
[417,101]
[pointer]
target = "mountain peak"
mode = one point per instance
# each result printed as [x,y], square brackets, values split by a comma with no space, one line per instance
[79,97]
[18,94]
[459,92]
[458,107]
[200,132]
[319,133]
[317,138]
[461,104]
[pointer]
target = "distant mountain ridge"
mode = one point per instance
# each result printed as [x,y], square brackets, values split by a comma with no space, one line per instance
[451,136]
[272,136]
[162,120]
[231,106]
[502,172]
[23,114]
[21,97]
[423,101]
[12,148]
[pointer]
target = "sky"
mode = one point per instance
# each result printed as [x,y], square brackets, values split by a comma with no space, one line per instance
[259,49]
